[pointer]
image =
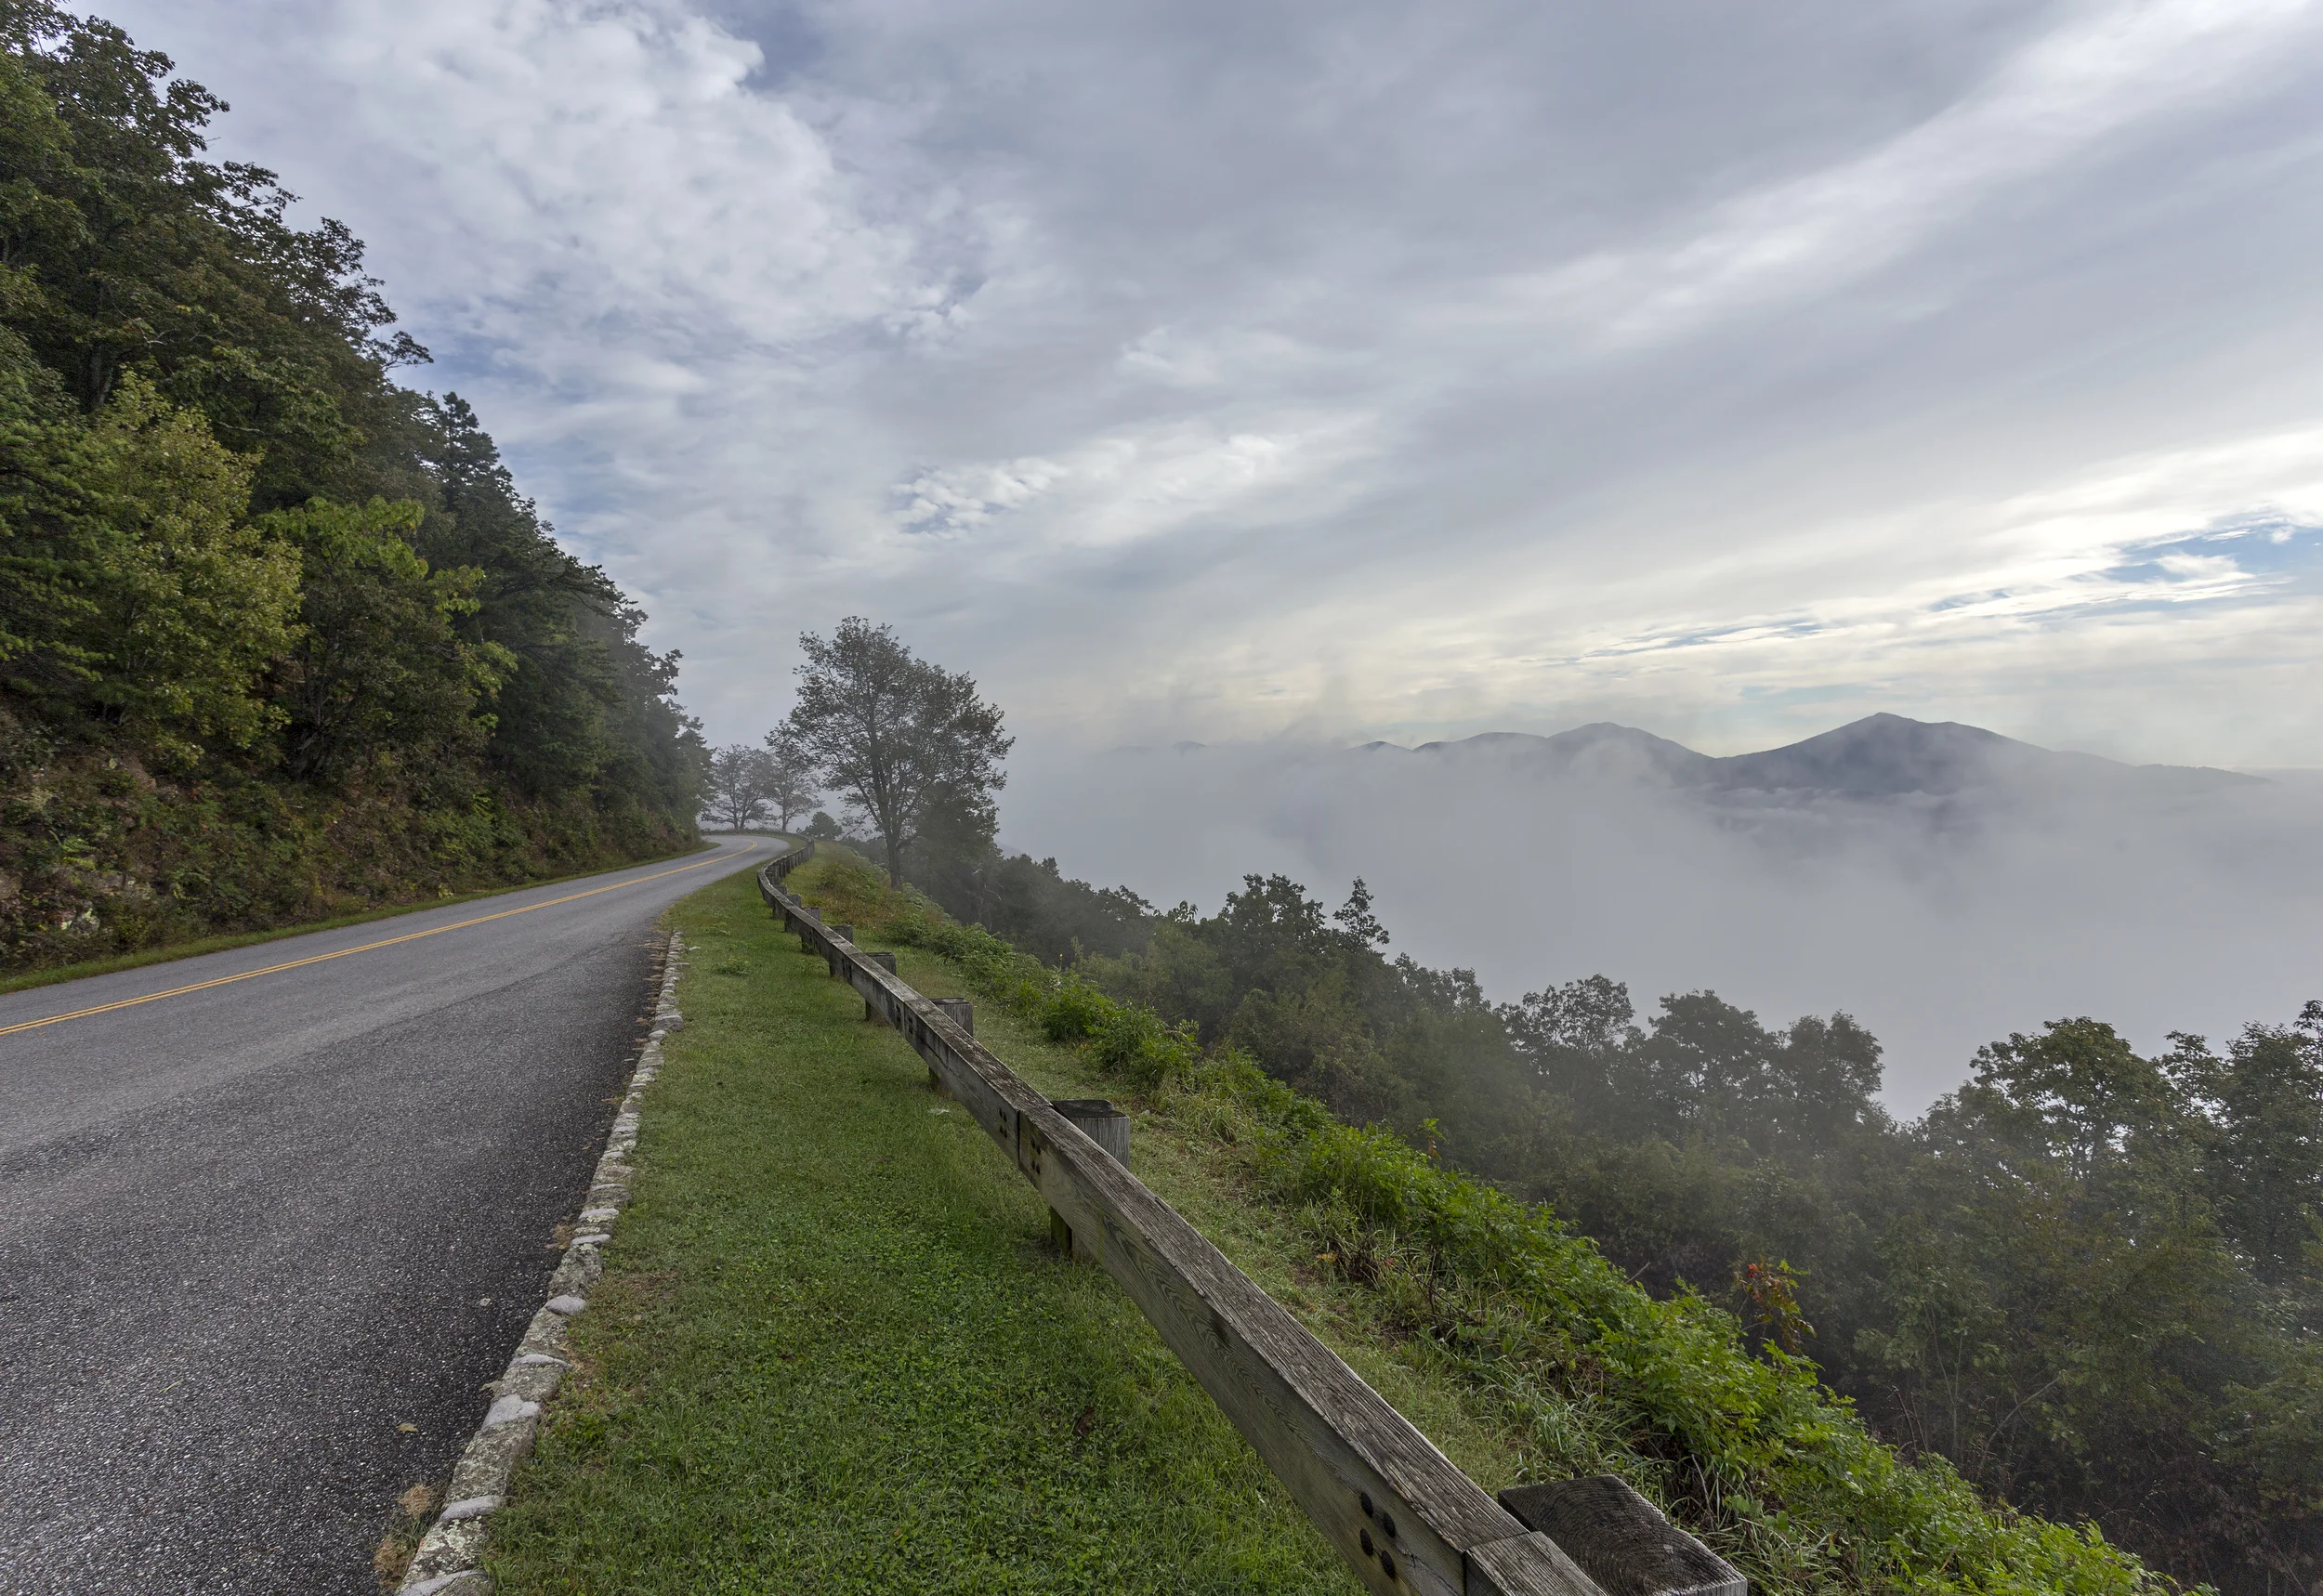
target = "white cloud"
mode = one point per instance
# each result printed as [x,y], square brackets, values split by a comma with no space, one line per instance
[1320,371]
[1137,484]
[2049,554]
[1171,356]
[2062,98]
[584,165]
[961,497]
[1193,375]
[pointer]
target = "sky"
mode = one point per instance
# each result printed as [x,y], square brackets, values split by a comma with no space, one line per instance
[1325,373]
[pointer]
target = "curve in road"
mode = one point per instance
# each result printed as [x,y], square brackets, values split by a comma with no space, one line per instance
[270,1218]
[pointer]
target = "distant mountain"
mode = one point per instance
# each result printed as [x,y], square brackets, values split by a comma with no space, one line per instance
[1600,748]
[1879,756]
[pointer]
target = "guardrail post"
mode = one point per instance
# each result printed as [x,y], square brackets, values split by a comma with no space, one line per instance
[885,961]
[1108,1127]
[1100,1122]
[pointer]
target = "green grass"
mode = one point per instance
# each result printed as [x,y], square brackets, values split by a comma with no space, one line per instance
[1528,1350]
[24,980]
[834,1350]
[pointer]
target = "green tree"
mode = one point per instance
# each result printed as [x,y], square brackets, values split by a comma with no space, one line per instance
[141,255]
[192,602]
[535,600]
[2070,1326]
[2268,1175]
[894,732]
[380,666]
[50,535]
[193,702]
[2076,1092]
[737,786]
[791,788]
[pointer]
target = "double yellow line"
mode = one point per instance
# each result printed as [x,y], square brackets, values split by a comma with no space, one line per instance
[366,948]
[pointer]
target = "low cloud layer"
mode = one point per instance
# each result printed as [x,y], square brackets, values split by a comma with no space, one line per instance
[1209,370]
[1939,921]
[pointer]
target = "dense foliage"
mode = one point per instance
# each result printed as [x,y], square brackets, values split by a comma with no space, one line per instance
[277,636]
[1734,1436]
[2091,1282]
[1030,902]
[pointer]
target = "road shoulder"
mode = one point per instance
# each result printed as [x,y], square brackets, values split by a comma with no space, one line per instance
[834,1347]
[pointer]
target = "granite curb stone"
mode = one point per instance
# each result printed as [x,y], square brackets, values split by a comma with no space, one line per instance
[447,1561]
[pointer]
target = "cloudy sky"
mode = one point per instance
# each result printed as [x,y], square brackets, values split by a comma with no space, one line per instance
[1222,371]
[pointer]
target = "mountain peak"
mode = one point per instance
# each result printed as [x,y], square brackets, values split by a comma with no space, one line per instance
[1602,748]
[1882,755]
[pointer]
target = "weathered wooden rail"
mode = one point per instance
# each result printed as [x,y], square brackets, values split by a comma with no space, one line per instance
[1404,1518]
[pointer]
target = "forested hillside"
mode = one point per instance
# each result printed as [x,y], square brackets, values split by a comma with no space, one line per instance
[278,636]
[2090,1280]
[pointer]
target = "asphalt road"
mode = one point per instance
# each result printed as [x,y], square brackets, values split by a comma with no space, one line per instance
[247,1232]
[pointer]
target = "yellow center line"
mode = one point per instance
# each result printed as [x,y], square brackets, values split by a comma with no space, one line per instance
[366,948]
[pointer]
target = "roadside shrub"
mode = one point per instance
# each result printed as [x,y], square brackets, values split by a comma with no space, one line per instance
[1134,1044]
[1073,1010]
[1746,1449]
[1373,1173]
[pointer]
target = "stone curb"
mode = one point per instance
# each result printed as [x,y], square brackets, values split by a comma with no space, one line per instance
[447,1561]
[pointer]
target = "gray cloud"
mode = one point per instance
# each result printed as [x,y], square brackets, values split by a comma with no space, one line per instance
[1215,371]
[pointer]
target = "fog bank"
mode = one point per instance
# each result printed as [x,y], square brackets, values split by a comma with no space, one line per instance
[1940,918]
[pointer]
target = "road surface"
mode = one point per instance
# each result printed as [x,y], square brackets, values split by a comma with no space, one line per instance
[251,1232]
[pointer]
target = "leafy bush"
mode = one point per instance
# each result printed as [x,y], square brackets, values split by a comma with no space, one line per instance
[1745,1447]
[1135,1045]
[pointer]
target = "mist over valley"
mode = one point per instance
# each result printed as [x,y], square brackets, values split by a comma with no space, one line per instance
[1942,883]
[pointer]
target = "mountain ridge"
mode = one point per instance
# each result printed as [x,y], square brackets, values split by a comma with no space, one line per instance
[1881,755]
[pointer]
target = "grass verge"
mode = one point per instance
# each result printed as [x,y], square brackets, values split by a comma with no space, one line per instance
[834,1351]
[838,1354]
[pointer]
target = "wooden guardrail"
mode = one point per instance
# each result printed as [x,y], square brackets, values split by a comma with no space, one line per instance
[1403,1515]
